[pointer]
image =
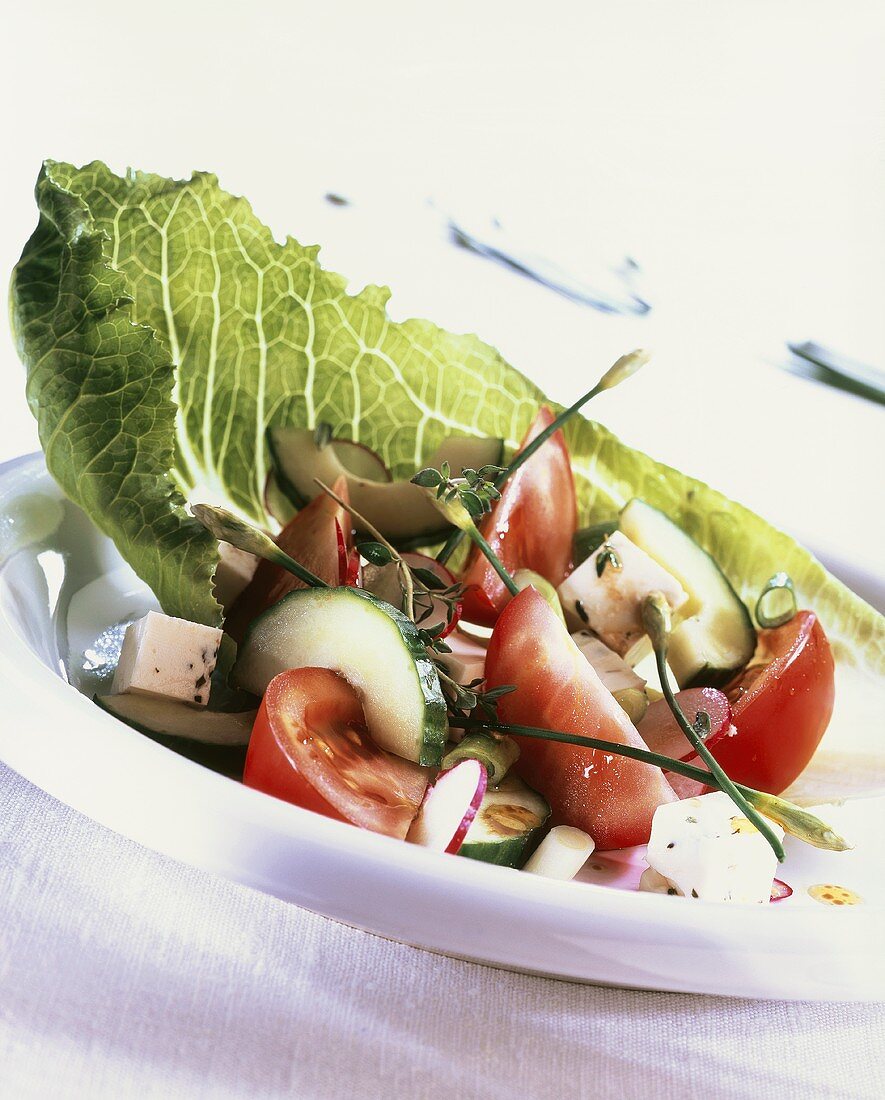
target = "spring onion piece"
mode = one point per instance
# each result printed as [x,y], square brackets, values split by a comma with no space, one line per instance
[781,583]
[497,754]
[793,819]
[227,527]
[561,854]
[633,702]
[656,620]
[618,372]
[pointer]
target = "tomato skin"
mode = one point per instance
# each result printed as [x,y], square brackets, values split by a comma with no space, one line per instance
[532,526]
[309,746]
[319,538]
[610,797]
[780,713]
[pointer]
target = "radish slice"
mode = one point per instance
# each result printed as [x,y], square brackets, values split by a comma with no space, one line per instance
[384,583]
[561,854]
[348,561]
[660,731]
[449,807]
[780,890]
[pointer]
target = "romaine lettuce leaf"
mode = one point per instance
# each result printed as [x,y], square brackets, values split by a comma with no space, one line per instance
[126,276]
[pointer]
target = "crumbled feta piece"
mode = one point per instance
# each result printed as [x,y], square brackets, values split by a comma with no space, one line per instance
[235,569]
[610,602]
[168,658]
[612,669]
[705,848]
[467,661]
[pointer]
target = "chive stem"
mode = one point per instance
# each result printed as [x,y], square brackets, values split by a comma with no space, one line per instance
[619,372]
[796,821]
[476,536]
[656,620]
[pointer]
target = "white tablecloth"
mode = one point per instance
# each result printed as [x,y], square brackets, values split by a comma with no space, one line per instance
[123,973]
[736,151]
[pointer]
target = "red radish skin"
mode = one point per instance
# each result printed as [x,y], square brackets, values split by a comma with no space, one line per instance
[780,891]
[661,732]
[449,808]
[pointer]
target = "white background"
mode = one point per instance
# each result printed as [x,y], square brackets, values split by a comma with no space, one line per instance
[736,150]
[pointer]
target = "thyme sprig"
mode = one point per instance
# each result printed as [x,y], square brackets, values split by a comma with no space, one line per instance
[463,501]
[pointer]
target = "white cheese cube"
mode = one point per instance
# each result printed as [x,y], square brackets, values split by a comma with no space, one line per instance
[612,669]
[467,661]
[610,604]
[168,658]
[705,848]
[235,569]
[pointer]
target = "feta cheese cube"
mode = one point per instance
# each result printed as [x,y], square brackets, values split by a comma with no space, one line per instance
[168,658]
[610,603]
[467,661]
[704,848]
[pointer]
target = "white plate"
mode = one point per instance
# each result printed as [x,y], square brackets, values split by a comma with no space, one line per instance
[587,931]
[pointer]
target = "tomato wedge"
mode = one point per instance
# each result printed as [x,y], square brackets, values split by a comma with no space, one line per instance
[319,537]
[532,526]
[781,704]
[610,797]
[309,746]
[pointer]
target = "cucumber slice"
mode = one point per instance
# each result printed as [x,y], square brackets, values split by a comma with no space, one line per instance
[717,637]
[372,645]
[215,739]
[507,825]
[173,719]
[400,510]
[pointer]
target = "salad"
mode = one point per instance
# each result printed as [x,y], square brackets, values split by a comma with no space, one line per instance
[402,589]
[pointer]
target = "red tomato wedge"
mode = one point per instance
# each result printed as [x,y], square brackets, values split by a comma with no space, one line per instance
[610,797]
[782,704]
[309,746]
[532,526]
[319,538]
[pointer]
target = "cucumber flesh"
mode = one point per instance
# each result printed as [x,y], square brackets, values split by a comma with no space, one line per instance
[507,826]
[368,642]
[173,719]
[717,637]
[400,510]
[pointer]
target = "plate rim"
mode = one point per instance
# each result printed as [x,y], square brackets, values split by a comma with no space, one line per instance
[268,819]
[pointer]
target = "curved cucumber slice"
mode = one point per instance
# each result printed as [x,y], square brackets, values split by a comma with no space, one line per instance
[372,645]
[400,510]
[717,637]
[173,719]
[507,825]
